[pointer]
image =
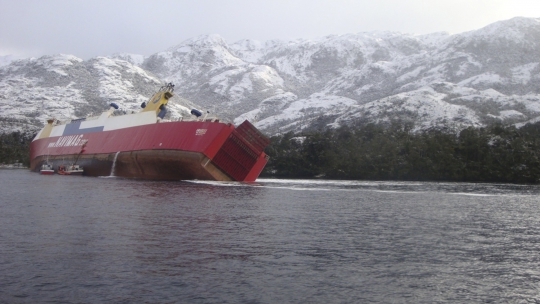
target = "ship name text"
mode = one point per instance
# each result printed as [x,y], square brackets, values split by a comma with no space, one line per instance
[68,141]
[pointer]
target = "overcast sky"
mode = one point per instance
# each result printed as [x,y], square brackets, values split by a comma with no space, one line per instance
[89,28]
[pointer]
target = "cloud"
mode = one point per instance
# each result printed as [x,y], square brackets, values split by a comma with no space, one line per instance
[96,27]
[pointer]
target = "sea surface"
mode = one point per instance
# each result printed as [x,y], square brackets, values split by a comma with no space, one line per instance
[76,239]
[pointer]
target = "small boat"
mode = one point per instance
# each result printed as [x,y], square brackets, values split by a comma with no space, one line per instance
[70,170]
[46,169]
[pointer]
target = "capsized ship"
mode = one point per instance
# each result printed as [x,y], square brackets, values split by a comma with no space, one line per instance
[144,145]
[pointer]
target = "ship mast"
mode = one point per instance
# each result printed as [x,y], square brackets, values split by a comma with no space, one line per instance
[158,102]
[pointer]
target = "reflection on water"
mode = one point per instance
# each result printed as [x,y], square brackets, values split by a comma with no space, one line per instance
[79,239]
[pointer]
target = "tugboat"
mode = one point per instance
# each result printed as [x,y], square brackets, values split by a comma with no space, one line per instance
[73,169]
[70,170]
[46,169]
[147,146]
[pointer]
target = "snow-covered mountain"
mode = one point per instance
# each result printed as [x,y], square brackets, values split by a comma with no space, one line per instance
[66,87]
[7,59]
[432,81]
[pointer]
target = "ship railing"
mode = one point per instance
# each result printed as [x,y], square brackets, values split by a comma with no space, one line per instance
[207,119]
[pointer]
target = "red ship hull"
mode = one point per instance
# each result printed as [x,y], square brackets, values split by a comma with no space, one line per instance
[161,151]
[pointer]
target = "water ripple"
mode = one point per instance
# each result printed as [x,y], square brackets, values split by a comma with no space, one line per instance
[77,239]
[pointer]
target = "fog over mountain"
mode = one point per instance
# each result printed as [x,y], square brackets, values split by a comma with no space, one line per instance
[430,81]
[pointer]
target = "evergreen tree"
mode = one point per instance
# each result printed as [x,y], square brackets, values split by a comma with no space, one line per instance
[493,154]
[15,147]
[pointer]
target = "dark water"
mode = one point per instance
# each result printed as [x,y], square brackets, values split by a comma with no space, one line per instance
[68,239]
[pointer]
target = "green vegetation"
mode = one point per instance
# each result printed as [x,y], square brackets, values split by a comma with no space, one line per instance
[493,154]
[15,147]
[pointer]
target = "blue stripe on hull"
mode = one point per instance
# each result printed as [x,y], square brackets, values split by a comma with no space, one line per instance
[75,128]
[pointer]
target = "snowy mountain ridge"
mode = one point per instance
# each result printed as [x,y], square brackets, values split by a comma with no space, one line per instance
[65,87]
[431,81]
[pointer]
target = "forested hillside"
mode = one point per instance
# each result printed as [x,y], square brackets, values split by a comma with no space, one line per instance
[15,147]
[495,153]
